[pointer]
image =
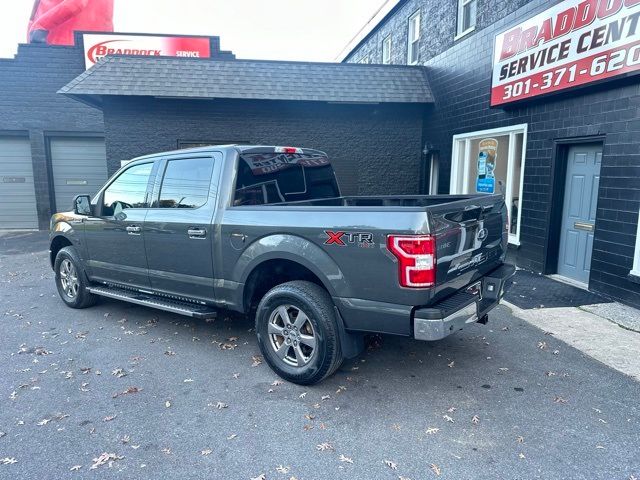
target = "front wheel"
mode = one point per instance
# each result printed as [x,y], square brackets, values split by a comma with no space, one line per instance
[297,332]
[71,280]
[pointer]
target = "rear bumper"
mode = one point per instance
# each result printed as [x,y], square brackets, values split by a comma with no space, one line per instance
[467,306]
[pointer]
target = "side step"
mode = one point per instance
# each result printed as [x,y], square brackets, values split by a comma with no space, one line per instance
[189,309]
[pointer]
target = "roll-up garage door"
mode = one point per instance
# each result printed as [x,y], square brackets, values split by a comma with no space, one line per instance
[79,166]
[17,192]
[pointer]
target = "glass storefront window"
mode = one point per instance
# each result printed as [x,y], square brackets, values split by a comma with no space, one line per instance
[492,162]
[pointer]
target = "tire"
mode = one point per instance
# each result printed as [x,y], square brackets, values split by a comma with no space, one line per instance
[71,280]
[297,361]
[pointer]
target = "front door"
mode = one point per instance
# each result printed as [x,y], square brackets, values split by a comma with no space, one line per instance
[579,211]
[178,227]
[115,234]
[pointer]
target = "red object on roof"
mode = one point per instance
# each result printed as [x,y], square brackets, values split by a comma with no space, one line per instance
[58,19]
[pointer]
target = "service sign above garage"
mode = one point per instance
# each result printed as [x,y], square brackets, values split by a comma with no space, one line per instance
[97,45]
[572,44]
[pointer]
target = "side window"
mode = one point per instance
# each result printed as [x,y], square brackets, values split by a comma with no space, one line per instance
[413,52]
[129,190]
[186,183]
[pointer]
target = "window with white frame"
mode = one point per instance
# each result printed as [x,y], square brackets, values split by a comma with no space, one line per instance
[413,52]
[386,50]
[492,162]
[636,259]
[466,17]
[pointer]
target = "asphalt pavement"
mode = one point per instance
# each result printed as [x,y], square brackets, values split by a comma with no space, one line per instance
[120,390]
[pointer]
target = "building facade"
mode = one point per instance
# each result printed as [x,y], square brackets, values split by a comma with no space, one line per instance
[568,162]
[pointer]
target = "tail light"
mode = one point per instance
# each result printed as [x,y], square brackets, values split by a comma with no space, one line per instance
[416,256]
[288,150]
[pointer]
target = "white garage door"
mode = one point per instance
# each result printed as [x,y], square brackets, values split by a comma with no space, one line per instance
[79,167]
[17,193]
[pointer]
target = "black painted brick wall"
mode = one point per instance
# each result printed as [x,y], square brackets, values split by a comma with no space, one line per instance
[29,104]
[375,149]
[460,76]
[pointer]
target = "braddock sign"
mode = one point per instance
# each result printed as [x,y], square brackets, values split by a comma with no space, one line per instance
[574,43]
[97,45]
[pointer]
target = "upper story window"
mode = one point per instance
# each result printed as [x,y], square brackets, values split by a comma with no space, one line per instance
[386,50]
[466,17]
[413,54]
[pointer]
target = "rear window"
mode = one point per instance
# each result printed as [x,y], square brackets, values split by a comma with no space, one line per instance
[284,177]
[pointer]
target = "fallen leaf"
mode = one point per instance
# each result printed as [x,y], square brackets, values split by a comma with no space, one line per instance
[206,452]
[302,395]
[448,418]
[323,447]
[432,430]
[257,360]
[475,420]
[341,389]
[342,458]
[558,399]
[391,465]
[232,436]
[104,458]
[109,418]
[166,451]
[276,383]
[262,476]
[8,460]
[282,469]
[188,380]
[542,345]
[218,405]
[435,469]
[325,397]
[44,421]
[75,468]
[119,372]
[520,439]
[451,409]
[236,375]
[167,404]
[521,456]
[450,365]
[396,427]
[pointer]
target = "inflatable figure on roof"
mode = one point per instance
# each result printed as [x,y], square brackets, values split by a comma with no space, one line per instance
[54,21]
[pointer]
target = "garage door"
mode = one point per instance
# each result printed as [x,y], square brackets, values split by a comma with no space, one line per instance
[17,193]
[79,166]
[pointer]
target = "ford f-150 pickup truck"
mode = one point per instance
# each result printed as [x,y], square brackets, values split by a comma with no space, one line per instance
[265,231]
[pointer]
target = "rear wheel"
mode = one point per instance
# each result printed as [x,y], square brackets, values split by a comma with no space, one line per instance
[71,280]
[297,332]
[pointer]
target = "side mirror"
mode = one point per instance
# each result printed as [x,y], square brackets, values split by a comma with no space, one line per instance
[82,205]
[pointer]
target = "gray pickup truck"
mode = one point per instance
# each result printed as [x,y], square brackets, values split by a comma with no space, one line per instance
[264,231]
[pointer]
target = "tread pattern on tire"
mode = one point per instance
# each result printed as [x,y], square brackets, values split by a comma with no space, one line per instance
[87,299]
[321,300]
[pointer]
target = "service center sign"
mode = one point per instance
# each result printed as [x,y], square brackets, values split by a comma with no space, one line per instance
[97,45]
[574,43]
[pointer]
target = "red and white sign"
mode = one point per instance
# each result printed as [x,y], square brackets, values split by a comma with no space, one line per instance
[574,43]
[97,45]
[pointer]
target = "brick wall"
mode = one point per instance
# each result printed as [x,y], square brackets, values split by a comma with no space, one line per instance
[29,105]
[375,149]
[460,77]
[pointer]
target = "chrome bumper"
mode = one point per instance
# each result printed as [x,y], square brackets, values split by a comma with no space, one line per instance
[452,314]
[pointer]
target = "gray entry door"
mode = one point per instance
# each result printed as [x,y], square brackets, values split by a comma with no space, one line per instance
[17,192]
[79,166]
[579,211]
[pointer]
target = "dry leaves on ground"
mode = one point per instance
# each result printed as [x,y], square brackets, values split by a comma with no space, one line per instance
[475,420]
[436,469]
[8,460]
[432,430]
[257,360]
[105,458]
[323,447]
[391,465]
[282,469]
[206,452]
[342,458]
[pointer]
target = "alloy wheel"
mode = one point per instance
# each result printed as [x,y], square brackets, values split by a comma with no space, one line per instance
[291,335]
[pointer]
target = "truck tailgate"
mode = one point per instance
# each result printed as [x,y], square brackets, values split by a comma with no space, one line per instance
[471,240]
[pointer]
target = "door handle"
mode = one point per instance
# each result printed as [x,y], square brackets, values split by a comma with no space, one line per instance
[134,230]
[588,227]
[197,233]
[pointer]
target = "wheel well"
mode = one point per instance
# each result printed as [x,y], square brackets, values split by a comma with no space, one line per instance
[271,273]
[57,244]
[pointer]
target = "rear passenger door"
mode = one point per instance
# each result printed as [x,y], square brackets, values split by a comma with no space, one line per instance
[178,226]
